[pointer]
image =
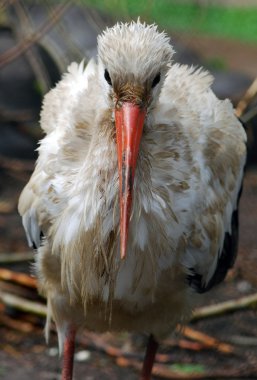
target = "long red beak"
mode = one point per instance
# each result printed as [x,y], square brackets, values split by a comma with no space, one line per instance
[129,121]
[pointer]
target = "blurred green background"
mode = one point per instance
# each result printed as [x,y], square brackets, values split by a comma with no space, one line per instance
[237,20]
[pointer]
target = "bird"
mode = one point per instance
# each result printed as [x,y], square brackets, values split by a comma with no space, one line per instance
[133,204]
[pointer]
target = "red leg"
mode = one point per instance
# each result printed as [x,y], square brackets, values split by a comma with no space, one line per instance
[151,349]
[68,354]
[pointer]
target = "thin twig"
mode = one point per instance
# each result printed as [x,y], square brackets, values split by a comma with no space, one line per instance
[23,304]
[247,98]
[249,115]
[18,290]
[32,55]
[208,340]
[21,47]
[15,324]
[185,344]
[19,278]
[225,307]
[11,257]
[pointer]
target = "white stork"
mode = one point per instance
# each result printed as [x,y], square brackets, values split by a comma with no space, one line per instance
[133,202]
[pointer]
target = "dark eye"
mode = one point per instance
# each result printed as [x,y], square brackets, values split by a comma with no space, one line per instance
[156,80]
[107,77]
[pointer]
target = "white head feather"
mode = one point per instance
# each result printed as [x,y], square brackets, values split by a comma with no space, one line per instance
[133,53]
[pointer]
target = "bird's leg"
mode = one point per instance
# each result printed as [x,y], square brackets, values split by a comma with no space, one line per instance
[68,353]
[151,349]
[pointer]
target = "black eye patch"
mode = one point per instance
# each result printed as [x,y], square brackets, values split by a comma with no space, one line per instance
[107,77]
[156,80]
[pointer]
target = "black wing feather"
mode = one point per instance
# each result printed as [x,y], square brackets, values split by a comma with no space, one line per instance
[226,259]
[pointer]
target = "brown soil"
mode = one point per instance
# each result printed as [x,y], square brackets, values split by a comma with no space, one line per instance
[235,55]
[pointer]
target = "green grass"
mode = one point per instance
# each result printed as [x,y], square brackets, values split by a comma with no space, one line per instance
[176,15]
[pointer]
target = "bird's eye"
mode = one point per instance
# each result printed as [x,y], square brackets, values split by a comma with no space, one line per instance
[107,77]
[156,80]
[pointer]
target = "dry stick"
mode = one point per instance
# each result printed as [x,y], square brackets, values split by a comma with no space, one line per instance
[225,307]
[23,304]
[11,257]
[247,98]
[20,291]
[204,312]
[200,313]
[35,61]
[249,115]
[21,47]
[20,278]
[158,370]
[209,341]
[18,325]
[186,344]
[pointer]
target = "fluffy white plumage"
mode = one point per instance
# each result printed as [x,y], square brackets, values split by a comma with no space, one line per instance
[187,181]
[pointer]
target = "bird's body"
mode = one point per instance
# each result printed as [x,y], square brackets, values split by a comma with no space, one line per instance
[182,227]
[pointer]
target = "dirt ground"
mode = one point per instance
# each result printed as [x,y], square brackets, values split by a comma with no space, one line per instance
[25,355]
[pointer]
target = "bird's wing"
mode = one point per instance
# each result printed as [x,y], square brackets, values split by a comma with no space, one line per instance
[58,103]
[218,147]
[225,256]
[57,117]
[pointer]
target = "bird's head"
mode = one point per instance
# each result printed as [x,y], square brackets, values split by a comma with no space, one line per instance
[133,60]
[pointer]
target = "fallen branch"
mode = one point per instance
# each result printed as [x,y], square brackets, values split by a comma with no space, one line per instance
[23,304]
[15,324]
[225,307]
[11,257]
[186,344]
[32,55]
[18,290]
[207,340]
[13,53]
[247,98]
[19,278]
[249,115]
[200,313]
[243,340]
